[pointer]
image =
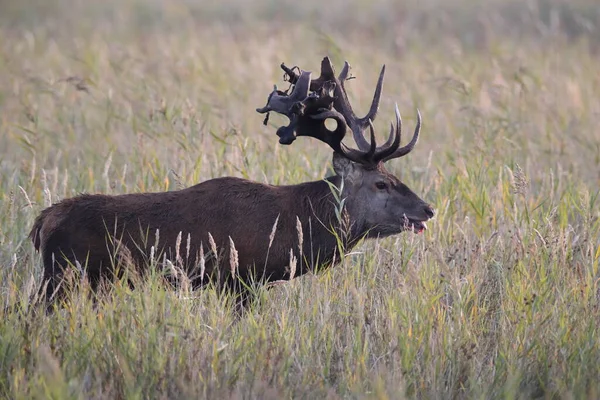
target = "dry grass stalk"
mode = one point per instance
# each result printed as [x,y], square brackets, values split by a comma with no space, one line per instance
[233,257]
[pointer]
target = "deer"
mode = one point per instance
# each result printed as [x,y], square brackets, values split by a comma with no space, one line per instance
[227,230]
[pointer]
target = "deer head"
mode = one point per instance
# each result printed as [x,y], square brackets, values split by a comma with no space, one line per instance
[378,203]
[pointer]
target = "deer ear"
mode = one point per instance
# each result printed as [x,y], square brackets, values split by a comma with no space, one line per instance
[346,168]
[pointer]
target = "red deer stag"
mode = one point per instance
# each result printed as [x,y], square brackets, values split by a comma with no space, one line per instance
[260,221]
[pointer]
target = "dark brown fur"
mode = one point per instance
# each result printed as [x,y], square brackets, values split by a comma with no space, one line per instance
[84,229]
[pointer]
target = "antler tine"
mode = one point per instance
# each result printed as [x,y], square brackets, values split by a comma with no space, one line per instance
[402,151]
[391,138]
[373,147]
[357,125]
[391,145]
[343,77]
[376,97]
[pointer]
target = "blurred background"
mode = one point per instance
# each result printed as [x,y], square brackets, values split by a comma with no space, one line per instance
[473,24]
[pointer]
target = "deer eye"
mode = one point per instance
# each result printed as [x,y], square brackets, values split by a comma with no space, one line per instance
[381,185]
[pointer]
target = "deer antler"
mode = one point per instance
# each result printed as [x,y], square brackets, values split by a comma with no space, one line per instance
[394,150]
[285,104]
[357,125]
[313,125]
[327,75]
[297,104]
[308,112]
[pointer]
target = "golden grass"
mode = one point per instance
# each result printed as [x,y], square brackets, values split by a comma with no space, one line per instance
[499,299]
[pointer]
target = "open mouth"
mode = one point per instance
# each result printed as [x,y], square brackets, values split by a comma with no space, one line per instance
[415,225]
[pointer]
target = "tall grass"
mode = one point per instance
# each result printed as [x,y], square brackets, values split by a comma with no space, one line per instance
[499,299]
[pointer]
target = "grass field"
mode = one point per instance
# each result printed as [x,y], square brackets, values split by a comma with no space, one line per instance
[500,298]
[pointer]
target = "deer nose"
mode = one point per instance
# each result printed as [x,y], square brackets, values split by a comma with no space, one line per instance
[429,211]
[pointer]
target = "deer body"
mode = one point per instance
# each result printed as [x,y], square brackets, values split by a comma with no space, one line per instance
[82,228]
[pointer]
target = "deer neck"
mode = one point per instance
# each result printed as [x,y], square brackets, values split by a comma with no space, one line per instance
[321,213]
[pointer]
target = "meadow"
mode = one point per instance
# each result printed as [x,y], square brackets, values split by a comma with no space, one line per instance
[499,298]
